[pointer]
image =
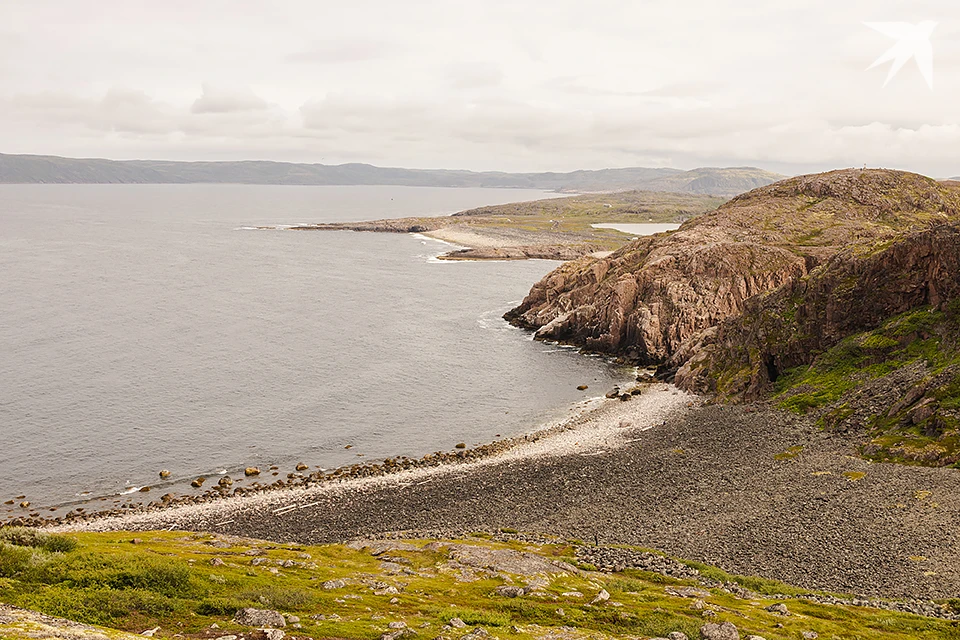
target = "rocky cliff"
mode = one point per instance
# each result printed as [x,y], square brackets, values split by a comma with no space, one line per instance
[869,343]
[653,299]
[858,289]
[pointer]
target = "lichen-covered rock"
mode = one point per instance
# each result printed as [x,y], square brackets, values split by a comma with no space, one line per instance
[721,631]
[251,617]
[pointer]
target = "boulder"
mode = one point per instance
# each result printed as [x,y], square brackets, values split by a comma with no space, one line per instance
[719,631]
[780,608]
[251,617]
[509,591]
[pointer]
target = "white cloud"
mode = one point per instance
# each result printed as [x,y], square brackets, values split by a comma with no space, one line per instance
[493,85]
[219,100]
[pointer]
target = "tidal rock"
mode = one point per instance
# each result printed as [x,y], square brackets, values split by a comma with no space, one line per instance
[164,474]
[583,387]
[251,471]
[225,481]
[196,484]
[302,467]
[461,445]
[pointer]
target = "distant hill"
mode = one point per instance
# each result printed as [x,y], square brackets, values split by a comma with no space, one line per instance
[55,169]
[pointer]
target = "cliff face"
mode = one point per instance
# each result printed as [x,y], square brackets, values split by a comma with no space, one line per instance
[859,289]
[658,297]
[868,343]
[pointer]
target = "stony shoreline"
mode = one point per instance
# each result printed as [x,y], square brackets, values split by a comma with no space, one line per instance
[591,423]
[750,489]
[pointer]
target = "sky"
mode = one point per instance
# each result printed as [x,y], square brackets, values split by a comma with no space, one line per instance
[510,85]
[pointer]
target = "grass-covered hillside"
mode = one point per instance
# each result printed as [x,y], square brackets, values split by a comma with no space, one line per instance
[192,585]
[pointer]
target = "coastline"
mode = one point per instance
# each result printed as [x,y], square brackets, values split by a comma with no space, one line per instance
[750,489]
[596,425]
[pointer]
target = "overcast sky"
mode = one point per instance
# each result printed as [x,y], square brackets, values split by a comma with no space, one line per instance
[487,84]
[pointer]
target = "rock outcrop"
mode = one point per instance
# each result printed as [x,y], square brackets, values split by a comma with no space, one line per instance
[857,290]
[658,297]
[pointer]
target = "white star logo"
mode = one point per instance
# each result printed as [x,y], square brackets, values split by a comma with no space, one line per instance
[913,41]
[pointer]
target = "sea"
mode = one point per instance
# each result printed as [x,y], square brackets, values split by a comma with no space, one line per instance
[152,327]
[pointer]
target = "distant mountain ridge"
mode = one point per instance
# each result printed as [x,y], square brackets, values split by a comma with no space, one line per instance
[33,169]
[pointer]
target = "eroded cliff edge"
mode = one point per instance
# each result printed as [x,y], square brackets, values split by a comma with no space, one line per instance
[749,301]
[649,299]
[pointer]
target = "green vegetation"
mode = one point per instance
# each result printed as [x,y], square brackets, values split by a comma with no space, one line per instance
[792,453]
[925,339]
[185,582]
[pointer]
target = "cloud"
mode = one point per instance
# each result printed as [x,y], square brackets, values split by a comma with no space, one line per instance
[474,75]
[495,85]
[218,100]
[120,109]
[345,51]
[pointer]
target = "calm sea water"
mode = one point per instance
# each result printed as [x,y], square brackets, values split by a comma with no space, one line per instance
[144,329]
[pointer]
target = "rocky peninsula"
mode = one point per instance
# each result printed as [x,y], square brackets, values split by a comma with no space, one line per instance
[551,229]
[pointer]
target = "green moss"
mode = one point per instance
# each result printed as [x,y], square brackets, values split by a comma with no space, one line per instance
[105,582]
[792,453]
[878,341]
